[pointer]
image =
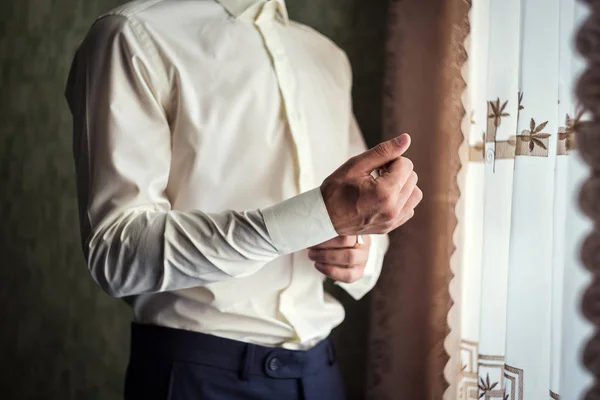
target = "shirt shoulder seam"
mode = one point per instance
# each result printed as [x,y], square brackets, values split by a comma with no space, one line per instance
[147,43]
[131,8]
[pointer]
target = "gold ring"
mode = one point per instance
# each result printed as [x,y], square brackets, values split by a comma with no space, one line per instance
[359,241]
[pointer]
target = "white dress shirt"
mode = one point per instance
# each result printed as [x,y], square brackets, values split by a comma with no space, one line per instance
[202,131]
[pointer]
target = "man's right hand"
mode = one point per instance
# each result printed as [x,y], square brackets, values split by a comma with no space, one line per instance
[358,204]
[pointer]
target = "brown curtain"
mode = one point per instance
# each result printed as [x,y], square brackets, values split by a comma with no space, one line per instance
[425,56]
[588,143]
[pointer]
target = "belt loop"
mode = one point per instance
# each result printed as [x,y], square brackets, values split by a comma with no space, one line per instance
[330,352]
[247,362]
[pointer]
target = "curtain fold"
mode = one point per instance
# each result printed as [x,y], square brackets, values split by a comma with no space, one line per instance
[422,95]
[588,139]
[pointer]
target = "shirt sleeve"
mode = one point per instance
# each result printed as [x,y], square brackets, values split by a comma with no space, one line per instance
[379,243]
[132,240]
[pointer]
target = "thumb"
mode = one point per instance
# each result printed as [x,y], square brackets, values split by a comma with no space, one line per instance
[382,154]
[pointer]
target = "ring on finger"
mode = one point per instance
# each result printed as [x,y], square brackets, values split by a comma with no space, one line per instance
[360,240]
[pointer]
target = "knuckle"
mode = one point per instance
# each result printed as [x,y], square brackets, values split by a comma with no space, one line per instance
[344,276]
[413,177]
[350,257]
[351,163]
[406,163]
[382,149]
[344,257]
[346,179]
[348,241]
[332,258]
[388,210]
[381,193]
[388,227]
[324,269]
[388,214]
[331,272]
[385,201]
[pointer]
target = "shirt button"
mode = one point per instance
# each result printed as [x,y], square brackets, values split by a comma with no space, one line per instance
[274,364]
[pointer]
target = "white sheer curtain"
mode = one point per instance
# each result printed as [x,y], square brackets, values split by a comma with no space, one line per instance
[521,279]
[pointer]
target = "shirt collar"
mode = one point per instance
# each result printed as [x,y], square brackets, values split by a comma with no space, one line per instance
[251,8]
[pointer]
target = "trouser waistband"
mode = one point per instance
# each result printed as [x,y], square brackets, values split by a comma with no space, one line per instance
[152,342]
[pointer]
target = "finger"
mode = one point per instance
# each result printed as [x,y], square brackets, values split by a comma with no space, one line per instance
[340,274]
[344,257]
[342,242]
[337,243]
[381,154]
[414,199]
[399,170]
[405,217]
[409,208]
[407,189]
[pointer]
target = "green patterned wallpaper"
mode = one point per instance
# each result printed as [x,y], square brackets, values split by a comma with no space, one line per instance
[60,336]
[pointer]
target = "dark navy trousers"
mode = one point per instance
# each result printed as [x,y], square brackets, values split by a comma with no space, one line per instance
[173,364]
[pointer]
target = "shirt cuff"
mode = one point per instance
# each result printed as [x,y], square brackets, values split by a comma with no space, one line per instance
[358,289]
[299,222]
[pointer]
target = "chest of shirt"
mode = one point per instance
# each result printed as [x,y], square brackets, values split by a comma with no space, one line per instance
[249,108]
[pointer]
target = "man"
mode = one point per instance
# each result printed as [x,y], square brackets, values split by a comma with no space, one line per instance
[185,110]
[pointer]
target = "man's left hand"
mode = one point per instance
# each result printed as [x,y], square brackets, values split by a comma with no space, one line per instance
[339,259]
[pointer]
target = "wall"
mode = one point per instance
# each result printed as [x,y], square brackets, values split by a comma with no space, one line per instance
[60,336]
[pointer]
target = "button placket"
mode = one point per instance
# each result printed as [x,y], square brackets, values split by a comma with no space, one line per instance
[299,275]
[289,91]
